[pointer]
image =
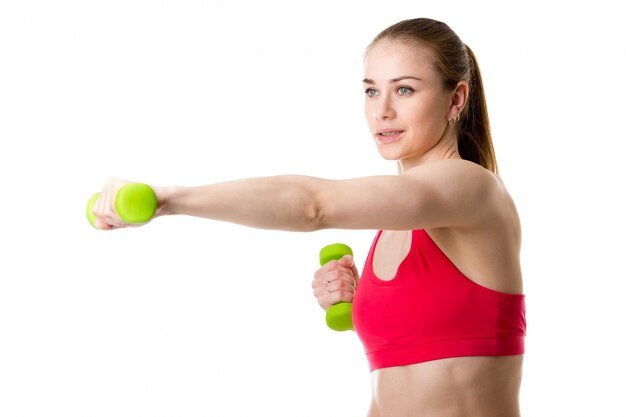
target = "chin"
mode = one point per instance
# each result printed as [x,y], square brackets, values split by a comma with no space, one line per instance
[390,155]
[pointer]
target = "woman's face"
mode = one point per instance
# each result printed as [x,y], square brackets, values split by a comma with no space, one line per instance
[406,105]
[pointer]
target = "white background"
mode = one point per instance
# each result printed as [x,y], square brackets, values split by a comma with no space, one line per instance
[189,317]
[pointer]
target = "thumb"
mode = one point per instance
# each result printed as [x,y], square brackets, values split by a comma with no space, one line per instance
[355,271]
[347,261]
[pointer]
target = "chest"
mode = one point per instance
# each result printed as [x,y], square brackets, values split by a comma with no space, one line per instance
[482,259]
[391,249]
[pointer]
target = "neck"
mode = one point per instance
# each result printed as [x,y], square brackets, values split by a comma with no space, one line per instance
[446,148]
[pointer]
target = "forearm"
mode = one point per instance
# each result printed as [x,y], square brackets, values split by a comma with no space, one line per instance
[280,202]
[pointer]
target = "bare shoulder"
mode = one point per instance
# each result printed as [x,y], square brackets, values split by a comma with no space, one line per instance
[469,187]
[486,249]
[501,217]
[448,193]
[459,170]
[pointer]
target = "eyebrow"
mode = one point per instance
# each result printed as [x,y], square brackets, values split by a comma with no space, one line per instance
[393,80]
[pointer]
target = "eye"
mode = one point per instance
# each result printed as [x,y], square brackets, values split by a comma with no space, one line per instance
[370,92]
[405,91]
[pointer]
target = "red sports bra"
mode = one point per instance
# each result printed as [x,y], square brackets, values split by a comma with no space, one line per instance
[430,310]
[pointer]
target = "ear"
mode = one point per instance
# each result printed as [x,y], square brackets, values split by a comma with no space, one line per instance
[459,97]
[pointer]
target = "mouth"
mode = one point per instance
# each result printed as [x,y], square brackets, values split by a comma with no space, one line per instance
[387,135]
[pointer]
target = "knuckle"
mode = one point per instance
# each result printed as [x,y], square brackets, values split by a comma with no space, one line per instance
[319,273]
[330,299]
[346,296]
[344,286]
[330,266]
[335,274]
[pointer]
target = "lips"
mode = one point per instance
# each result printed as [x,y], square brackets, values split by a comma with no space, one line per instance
[388,135]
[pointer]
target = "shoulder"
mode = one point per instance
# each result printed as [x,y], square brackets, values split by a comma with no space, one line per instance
[452,166]
[459,175]
[477,194]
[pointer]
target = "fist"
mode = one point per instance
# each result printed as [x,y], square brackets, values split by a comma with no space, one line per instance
[137,205]
[335,281]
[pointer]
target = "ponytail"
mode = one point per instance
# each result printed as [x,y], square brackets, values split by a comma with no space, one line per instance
[475,142]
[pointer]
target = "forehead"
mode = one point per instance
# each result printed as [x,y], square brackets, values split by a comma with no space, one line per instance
[388,59]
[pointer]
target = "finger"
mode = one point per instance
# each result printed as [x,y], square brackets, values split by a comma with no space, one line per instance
[347,275]
[346,285]
[319,290]
[101,225]
[325,287]
[96,204]
[333,278]
[333,298]
[348,262]
[99,211]
[110,201]
[345,296]
[357,277]
[113,186]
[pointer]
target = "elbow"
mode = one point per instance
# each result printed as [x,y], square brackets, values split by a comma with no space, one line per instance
[312,205]
[314,216]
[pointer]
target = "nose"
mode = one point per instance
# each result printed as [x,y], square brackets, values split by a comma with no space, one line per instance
[384,110]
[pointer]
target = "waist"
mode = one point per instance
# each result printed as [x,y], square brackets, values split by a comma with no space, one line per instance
[460,386]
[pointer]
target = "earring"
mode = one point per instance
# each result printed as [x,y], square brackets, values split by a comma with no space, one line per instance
[453,120]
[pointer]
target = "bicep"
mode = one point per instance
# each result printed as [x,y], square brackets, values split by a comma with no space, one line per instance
[442,194]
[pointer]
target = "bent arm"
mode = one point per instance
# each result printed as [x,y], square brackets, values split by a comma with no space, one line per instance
[438,194]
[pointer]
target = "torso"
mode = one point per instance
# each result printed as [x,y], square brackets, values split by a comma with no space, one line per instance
[481,386]
[455,387]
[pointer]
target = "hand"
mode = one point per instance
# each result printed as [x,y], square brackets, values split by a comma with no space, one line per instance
[336,281]
[104,210]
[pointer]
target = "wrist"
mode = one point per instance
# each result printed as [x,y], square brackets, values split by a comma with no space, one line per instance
[165,200]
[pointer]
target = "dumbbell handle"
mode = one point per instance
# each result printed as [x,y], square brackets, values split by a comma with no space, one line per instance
[338,316]
[134,202]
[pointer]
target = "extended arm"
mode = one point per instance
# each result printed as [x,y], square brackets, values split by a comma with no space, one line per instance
[451,193]
[443,193]
[280,202]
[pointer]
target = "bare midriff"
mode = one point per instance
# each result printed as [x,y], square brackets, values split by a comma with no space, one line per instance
[480,386]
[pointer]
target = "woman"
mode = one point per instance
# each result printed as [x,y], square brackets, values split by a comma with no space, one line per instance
[440,305]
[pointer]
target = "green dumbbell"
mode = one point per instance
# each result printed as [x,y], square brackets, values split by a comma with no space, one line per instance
[134,203]
[338,316]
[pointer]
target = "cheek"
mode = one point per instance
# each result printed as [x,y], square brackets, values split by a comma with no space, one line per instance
[423,116]
[368,112]
[414,116]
